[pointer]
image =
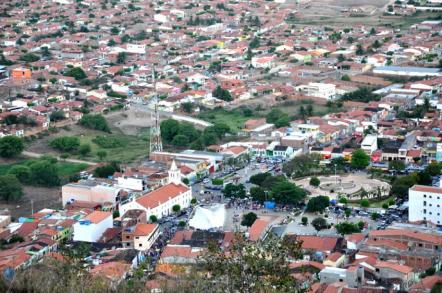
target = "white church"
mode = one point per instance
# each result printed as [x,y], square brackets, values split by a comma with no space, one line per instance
[159,202]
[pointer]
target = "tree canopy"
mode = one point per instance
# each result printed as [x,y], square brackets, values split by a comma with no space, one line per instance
[11,146]
[10,188]
[360,159]
[318,203]
[95,121]
[248,219]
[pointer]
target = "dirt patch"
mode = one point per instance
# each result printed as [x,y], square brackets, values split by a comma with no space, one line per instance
[130,122]
[42,197]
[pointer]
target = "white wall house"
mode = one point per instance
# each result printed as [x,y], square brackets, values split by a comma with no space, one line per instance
[425,204]
[160,201]
[145,236]
[321,90]
[370,143]
[92,227]
[132,183]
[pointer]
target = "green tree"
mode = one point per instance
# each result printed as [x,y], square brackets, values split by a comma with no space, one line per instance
[44,172]
[396,165]
[76,72]
[101,154]
[433,169]
[121,57]
[259,178]
[106,170]
[169,128]
[235,191]
[193,201]
[22,173]
[65,143]
[10,188]
[11,146]
[95,121]
[304,221]
[57,116]
[319,224]
[359,50]
[343,200]
[180,140]
[29,57]
[314,181]
[318,203]
[248,219]
[375,216]
[345,228]
[288,193]
[360,159]
[176,208]
[365,203]
[187,107]
[84,149]
[258,194]
[222,94]
[345,77]
[153,218]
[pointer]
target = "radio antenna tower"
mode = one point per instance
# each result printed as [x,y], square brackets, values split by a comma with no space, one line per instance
[155,144]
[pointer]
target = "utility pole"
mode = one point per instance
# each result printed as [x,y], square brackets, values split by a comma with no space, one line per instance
[155,143]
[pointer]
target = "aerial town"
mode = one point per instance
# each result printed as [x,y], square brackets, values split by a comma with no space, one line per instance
[221,146]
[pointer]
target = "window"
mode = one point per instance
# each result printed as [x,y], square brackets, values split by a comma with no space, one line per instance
[425,195]
[425,211]
[425,202]
[140,245]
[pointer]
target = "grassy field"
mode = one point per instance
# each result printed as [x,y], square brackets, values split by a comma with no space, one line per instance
[131,148]
[65,169]
[234,118]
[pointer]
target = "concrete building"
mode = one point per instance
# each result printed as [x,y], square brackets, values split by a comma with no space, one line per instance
[321,90]
[89,191]
[92,227]
[160,201]
[140,237]
[407,71]
[425,204]
[370,143]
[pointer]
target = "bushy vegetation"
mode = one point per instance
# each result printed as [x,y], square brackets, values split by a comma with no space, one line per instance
[11,146]
[95,121]
[65,143]
[276,188]
[184,134]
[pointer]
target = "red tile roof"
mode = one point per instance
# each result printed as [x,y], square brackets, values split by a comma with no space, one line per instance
[394,266]
[423,188]
[435,239]
[318,243]
[97,216]
[161,195]
[257,229]
[144,229]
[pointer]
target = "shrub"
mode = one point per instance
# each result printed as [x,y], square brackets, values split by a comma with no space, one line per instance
[109,142]
[65,143]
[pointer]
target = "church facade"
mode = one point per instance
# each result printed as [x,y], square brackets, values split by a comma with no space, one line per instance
[160,202]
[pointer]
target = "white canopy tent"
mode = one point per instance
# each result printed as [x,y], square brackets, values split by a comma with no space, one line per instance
[208,217]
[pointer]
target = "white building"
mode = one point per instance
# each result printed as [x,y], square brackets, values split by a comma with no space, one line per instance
[160,201]
[92,227]
[133,183]
[425,204]
[370,143]
[321,90]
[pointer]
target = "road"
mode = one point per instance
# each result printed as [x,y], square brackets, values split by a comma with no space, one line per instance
[183,118]
[36,155]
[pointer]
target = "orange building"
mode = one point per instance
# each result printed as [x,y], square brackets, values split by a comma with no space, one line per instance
[21,73]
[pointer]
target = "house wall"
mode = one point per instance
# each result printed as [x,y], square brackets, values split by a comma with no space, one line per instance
[91,232]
